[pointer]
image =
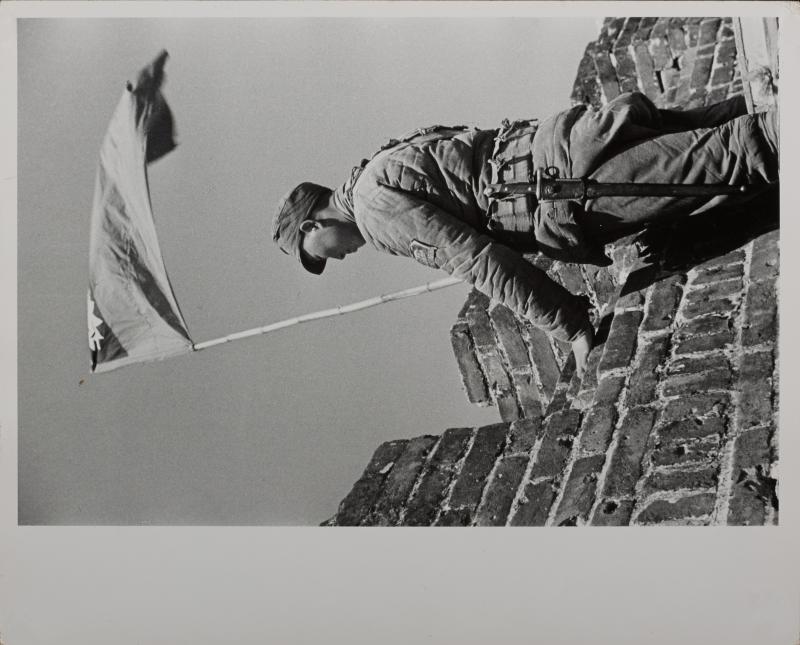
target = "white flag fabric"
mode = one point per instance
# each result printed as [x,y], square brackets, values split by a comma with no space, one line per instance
[132,312]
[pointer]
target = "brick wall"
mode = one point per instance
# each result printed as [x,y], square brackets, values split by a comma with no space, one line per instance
[675,421]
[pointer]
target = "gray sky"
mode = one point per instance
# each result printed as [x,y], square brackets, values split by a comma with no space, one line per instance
[272,430]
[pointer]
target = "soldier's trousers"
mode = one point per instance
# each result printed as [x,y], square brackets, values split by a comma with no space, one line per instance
[738,150]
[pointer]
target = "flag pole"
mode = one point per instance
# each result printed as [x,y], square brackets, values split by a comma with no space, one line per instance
[329,313]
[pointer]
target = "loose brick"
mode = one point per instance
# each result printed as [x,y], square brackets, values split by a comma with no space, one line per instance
[701,364]
[493,510]
[703,343]
[642,384]
[755,387]
[679,479]
[698,405]
[752,488]
[600,281]
[579,490]
[508,333]
[559,433]
[534,506]
[621,343]
[523,435]
[613,513]
[544,362]
[693,383]
[423,506]
[507,405]
[469,485]
[569,276]
[365,491]
[686,507]
[471,373]
[626,461]
[692,428]
[664,298]
[454,517]
[598,426]
[686,452]
[400,481]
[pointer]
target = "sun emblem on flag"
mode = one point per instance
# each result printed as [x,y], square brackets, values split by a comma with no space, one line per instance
[94,332]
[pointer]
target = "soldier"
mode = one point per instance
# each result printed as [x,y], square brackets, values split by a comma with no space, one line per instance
[424,196]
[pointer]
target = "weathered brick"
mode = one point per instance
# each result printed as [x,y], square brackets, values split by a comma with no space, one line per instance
[613,513]
[764,260]
[687,451]
[523,435]
[610,32]
[682,509]
[761,296]
[753,490]
[717,272]
[755,387]
[400,480]
[480,327]
[607,75]
[721,75]
[527,392]
[676,35]
[708,31]
[717,95]
[544,362]
[608,390]
[692,428]
[759,327]
[693,383]
[703,302]
[507,405]
[569,276]
[677,479]
[621,343]
[601,283]
[579,490]
[629,28]
[534,505]
[493,510]
[489,441]
[703,343]
[559,433]
[508,333]
[714,291]
[454,517]
[642,384]
[698,364]
[365,491]
[626,71]
[707,325]
[698,405]
[471,373]
[645,29]
[626,461]
[598,426]
[664,298]
[645,70]
[423,506]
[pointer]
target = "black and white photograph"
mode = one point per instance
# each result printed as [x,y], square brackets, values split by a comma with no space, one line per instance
[444,268]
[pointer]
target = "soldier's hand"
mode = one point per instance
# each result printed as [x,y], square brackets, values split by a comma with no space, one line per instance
[581,347]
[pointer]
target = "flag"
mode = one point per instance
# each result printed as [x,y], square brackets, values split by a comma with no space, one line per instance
[132,312]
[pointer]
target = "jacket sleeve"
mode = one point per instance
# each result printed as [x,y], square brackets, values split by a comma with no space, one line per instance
[402,223]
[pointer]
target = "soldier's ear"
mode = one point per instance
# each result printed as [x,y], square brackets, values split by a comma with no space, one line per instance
[307,225]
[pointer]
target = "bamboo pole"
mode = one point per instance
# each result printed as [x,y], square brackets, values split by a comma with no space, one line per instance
[329,313]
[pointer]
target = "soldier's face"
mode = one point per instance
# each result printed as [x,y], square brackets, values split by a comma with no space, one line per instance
[329,239]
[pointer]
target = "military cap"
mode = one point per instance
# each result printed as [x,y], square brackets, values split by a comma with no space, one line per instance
[293,209]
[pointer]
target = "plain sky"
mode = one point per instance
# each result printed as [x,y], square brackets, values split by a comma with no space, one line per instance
[276,429]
